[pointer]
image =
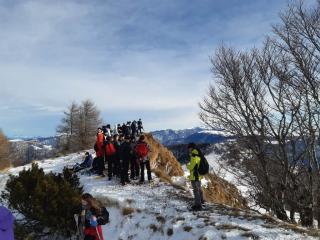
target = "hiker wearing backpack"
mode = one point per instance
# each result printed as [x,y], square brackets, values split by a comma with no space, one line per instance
[142,151]
[140,126]
[110,153]
[125,159]
[195,177]
[92,216]
[99,148]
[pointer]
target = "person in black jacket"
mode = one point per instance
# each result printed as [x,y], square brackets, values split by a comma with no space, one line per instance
[134,128]
[125,158]
[140,126]
[117,165]
[134,165]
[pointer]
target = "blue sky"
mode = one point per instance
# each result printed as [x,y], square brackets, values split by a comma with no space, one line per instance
[144,59]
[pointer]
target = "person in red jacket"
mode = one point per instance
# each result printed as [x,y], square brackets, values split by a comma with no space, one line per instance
[142,151]
[99,148]
[110,153]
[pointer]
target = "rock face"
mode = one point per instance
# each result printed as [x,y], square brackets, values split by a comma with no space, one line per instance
[217,190]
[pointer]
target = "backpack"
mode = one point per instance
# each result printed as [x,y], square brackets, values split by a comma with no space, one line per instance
[142,150]
[103,218]
[110,149]
[203,167]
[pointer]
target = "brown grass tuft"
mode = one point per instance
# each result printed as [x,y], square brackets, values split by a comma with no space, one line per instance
[231,227]
[127,211]
[108,202]
[223,192]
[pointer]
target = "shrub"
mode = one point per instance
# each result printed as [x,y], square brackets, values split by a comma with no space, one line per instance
[47,201]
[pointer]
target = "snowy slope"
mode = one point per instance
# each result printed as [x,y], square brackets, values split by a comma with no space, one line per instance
[161,211]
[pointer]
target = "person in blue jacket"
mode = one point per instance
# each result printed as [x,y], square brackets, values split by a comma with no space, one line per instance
[85,164]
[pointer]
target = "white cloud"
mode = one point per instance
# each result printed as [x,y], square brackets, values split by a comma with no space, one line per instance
[139,57]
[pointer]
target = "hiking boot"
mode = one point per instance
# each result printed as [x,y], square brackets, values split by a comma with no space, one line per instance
[109,178]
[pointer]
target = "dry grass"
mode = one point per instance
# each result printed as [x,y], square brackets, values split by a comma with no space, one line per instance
[223,192]
[232,227]
[163,159]
[108,202]
[162,175]
[127,211]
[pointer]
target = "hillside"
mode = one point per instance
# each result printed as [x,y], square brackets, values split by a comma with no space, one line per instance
[198,135]
[160,210]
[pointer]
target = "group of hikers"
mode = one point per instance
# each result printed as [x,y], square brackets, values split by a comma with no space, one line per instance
[120,150]
[94,215]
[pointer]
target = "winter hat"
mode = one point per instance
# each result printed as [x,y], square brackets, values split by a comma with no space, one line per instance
[6,224]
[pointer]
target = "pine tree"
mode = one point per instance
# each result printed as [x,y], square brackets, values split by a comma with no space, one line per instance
[47,201]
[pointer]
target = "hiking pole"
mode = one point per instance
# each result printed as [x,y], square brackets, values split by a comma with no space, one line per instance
[76,218]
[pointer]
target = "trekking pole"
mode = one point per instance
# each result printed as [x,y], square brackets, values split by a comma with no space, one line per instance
[76,218]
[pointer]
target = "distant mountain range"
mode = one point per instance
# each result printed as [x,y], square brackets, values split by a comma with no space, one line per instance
[50,141]
[167,137]
[197,135]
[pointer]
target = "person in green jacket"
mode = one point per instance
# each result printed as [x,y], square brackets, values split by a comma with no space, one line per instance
[195,177]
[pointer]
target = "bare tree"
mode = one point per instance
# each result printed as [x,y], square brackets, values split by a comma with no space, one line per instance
[89,121]
[69,128]
[299,37]
[78,126]
[269,98]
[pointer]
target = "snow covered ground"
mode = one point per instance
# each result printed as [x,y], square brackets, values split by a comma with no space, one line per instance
[159,211]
